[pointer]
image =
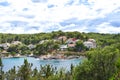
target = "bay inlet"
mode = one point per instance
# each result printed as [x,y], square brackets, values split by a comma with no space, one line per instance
[9,63]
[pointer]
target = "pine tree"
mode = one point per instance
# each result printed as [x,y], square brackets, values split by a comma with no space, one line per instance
[1,70]
[25,71]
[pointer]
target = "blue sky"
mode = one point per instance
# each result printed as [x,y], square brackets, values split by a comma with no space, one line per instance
[35,16]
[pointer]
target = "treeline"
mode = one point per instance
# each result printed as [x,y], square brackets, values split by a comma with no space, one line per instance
[36,38]
[100,64]
[101,39]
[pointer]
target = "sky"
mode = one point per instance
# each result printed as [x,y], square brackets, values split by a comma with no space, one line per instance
[35,16]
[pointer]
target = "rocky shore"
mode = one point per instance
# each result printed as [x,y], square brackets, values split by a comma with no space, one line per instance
[45,57]
[58,56]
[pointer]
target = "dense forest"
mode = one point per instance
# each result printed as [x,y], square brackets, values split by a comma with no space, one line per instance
[101,63]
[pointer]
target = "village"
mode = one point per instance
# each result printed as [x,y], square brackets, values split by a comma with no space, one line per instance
[64,46]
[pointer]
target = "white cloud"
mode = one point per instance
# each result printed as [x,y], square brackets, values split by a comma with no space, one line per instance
[79,29]
[40,15]
[107,28]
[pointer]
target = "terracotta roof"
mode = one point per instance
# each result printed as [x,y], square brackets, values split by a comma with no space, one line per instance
[62,37]
[71,45]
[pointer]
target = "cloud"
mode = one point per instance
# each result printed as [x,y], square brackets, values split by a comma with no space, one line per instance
[37,1]
[27,16]
[70,2]
[34,16]
[25,9]
[51,6]
[107,28]
[17,23]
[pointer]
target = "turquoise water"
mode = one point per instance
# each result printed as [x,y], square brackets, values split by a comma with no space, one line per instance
[11,62]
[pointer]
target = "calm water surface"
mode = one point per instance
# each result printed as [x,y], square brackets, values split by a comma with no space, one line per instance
[11,62]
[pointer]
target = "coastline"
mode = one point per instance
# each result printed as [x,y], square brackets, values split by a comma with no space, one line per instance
[47,57]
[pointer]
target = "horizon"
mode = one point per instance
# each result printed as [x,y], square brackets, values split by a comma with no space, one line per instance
[43,16]
[57,31]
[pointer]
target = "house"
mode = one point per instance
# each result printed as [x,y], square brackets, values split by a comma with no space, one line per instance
[31,46]
[5,45]
[71,41]
[64,38]
[63,47]
[71,45]
[92,40]
[16,43]
[91,43]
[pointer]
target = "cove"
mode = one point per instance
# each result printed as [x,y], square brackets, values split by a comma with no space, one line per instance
[9,63]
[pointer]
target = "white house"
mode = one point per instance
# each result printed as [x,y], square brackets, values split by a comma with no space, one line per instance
[63,47]
[5,45]
[91,43]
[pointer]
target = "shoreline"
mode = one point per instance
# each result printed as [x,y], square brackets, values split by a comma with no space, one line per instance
[47,57]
